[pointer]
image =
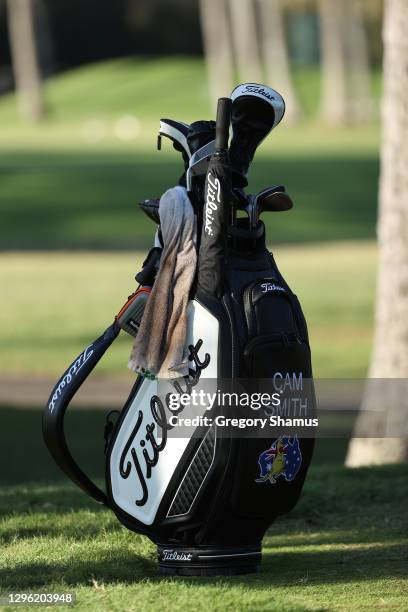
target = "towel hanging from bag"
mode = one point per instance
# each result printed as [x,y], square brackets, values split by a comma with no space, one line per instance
[160,350]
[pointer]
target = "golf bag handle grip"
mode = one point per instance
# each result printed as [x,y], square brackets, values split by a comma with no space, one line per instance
[54,413]
[222,124]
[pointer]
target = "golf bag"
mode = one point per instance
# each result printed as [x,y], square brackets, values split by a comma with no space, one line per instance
[206,498]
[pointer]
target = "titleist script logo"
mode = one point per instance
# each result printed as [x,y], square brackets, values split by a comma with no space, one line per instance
[271,287]
[158,418]
[259,90]
[211,202]
[173,555]
[68,377]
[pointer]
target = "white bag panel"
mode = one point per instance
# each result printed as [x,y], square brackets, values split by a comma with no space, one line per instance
[130,443]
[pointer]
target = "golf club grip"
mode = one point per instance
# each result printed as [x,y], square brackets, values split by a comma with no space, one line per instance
[222,124]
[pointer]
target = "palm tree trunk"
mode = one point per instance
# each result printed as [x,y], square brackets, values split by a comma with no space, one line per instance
[245,38]
[390,351]
[276,57]
[25,61]
[333,61]
[218,48]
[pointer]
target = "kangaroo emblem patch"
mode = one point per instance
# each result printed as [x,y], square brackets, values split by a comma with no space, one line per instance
[283,458]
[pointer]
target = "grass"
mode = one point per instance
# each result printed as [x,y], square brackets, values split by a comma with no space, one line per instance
[77,200]
[317,558]
[145,88]
[55,304]
[148,88]
[344,546]
[74,181]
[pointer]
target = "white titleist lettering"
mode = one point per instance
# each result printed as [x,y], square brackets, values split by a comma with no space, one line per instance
[173,555]
[271,287]
[67,378]
[259,90]
[211,202]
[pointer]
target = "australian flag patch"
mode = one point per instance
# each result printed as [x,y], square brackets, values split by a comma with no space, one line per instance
[283,458]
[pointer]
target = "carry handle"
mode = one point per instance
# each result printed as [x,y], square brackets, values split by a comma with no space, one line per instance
[54,413]
[222,124]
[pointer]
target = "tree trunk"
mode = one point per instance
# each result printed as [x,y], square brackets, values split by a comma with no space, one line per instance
[45,43]
[276,57]
[25,61]
[333,61]
[218,48]
[245,38]
[361,102]
[390,351]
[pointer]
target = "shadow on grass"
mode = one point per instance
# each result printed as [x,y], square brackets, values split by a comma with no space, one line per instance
[111,567]
[349,525]
[278,569]
[77,201]
[24,457]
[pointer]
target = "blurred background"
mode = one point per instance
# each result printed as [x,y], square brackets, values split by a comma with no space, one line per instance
[82,88]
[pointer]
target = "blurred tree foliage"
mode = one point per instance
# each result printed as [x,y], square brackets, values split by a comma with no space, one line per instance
[94,30]
[302,14]
[98,29]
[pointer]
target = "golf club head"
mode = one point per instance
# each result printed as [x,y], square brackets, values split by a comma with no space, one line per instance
[177,132]
[256,110]
[151,208]
[201,140]
[273,199]
[196,143]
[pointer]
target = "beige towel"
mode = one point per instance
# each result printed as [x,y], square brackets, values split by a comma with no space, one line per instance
[160,347]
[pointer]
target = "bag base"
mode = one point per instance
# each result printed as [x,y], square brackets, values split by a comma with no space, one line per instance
[208,560]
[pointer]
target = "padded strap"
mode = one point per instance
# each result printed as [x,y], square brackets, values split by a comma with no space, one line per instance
[54,413]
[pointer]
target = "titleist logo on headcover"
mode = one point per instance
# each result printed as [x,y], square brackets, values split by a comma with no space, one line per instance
[259,90]
[67,378]
[173,555]
[211,203]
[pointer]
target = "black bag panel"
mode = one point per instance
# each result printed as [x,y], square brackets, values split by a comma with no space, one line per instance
[270,307]
[264,355]
[300,318]
[276,342]
[276,336]
[251,499]
[269,329]
[240,271]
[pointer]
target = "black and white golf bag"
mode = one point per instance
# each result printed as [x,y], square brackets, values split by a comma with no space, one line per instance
[207,497]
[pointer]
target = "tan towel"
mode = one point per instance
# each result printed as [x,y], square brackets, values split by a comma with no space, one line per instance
[160,347]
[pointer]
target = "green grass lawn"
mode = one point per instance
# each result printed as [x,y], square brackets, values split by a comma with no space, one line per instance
[54,304]
[87,200]
[147,89]
[74,183]
[344,547]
